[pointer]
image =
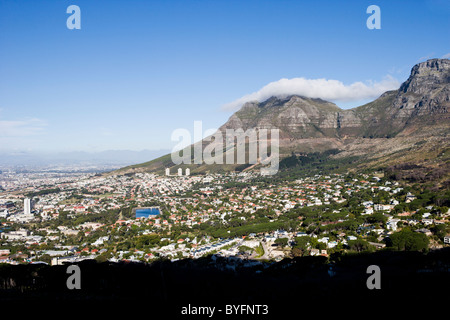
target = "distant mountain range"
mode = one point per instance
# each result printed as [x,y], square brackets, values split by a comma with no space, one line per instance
[408,125]
[110,157]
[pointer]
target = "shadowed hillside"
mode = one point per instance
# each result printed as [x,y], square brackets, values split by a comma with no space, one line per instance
[288,287]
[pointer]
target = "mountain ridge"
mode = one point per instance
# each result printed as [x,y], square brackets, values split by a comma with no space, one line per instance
[400,125]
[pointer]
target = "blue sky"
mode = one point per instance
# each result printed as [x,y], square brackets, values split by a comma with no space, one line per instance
[138,70]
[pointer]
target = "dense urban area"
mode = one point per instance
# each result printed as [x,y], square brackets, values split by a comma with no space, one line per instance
[58,217]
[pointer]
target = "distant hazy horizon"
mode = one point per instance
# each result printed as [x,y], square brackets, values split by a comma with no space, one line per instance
[107,157]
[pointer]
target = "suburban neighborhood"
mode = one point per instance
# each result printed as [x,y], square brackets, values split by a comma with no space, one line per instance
[234,215]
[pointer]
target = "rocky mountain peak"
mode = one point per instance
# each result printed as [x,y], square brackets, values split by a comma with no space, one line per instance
[427,75]
[425,96]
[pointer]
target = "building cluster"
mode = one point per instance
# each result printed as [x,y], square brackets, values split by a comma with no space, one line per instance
[55,221]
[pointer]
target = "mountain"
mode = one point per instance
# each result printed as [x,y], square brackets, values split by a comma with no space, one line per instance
[408,125]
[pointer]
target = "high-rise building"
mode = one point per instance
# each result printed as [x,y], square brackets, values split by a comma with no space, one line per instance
[27,206]
[167,172]
[180,172]
[188,171]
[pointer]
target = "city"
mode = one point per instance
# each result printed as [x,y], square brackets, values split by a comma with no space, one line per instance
[60,219]
[217,159]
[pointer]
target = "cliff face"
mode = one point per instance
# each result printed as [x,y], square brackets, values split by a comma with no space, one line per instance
[297,117]
[425,96]
[427,76]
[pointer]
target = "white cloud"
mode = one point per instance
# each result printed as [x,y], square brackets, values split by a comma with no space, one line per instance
[425,58]
[331,90]
[446,56]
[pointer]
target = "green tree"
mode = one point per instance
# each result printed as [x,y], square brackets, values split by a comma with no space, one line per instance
[103,257]
[45,258]
[440,231]
[301,246]
[359,245]
[281,242]
[407,240]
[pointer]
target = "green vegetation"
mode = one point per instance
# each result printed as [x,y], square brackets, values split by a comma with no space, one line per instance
[43,192]
[259,251]
[224,232]
[307,165]
[282,242]
[407,240]
[360,245]
[245,249]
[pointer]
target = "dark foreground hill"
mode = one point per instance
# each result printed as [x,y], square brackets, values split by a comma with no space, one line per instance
[291,287]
